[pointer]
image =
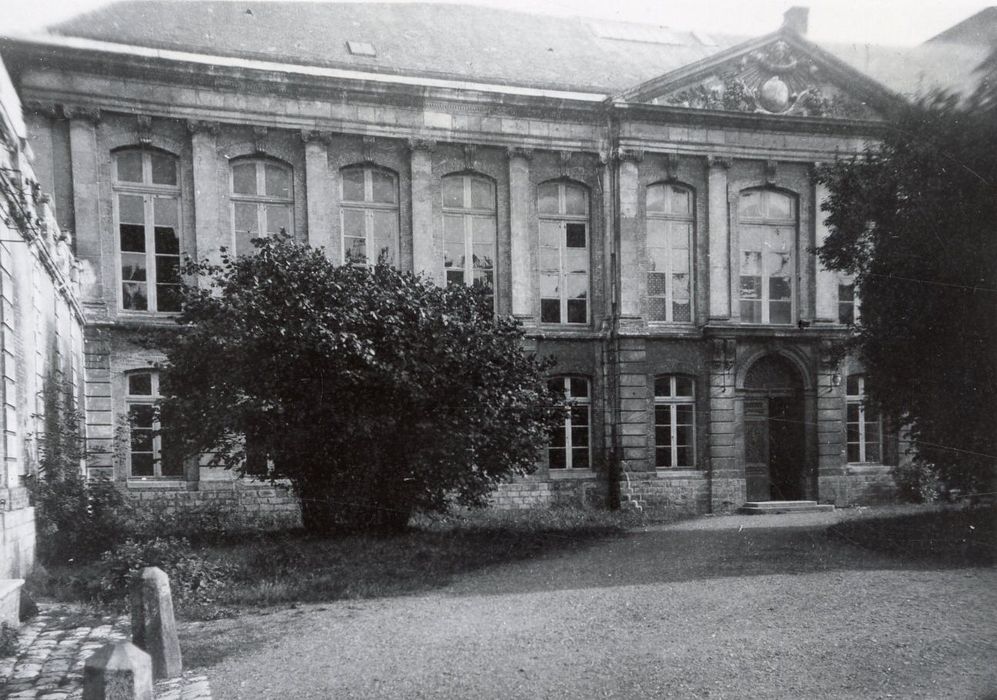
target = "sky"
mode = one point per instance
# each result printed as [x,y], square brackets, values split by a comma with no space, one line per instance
[890,22]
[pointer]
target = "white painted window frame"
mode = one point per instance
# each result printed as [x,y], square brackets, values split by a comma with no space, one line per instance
[260,200]
[574,402]
[157,439]
[368,207]
[468,216]
[668,218]
[562,219]
[149,193]
[859,399]
[769,223]
[673,401]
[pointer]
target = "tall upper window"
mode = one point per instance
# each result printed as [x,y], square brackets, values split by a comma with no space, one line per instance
[864,427]
[147,455]
[767,231]
[569,446]
[262,201]
[669,238]
[847,308]
[369,214]
[469,227]
[564,252]
[674,422]
[147,214]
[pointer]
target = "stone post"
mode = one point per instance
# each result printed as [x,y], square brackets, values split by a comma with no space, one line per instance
[118,671]
[318,193]
[425,256]
[719,238]
[519,225]
[209,231]
[153,625]
[632,249]
[827,280]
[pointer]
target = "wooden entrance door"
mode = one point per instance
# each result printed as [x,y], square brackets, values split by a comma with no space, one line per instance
[756,447]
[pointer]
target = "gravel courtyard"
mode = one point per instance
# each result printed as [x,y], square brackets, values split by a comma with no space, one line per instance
[730,607]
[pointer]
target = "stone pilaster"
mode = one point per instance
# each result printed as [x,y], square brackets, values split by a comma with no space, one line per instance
[632,249]
[86,195]
[319,186]
[827,280]
[634,421]
[727,485]
[831,456]
[211,232]
[426,258]
[719,239]
[519,225]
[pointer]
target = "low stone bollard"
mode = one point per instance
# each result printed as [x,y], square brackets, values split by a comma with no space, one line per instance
[153,626]
[118,671]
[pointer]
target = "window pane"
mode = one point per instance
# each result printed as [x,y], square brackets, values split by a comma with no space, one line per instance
[580,458]
[656,202]
[453,241]
[750,205]
[751,287]
[164,169]
[853,453]
[683,456]
[575,200]
[577,311]
[846,313]
[576,260]
[455,277]
[167,241]
[556,385]
[481,194]
[579,388]
[852,385]
[277,181]
[245,218]
[577,286]
[165,212]
[547,198]
[872,452]
[385,235]
[663,386]
[550,310]
[353,222]
[483,229]
[133,267]
[168,297]
[556,458]
[140,385]
[780,206]
[134,296]
[142,464]
[780,312]
[751,311]
[132,238]
[751,264]
[129,166]
[575,235]
[657,309]
[131,209]
[846,292]
[779,288]
[278,219]
[167,269]
[453,192]
[683,386]
[141,416]
[579,436]
[550,234]
[244,178]
[383,187]
[663,457]
[353,190]
[355,250]
[681,201]
[171,463]
[657,284]
[140,439]
[684,414]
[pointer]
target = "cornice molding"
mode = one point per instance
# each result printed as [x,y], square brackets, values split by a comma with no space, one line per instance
[201,126]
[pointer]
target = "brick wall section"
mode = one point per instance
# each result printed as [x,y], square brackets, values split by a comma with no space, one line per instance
[669,493]
[633,410]
[231,505]
[525,494]
[865,485]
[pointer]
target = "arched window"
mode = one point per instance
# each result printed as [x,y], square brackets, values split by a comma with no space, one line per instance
[570,447]
[148,456]
[262,201]
[674,422]
[469,231]
[863,424]
[369,214]
[767,233]
[669,240]
[564,252]
[147,217]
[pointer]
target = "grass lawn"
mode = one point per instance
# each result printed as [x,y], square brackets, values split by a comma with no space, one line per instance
[952,535]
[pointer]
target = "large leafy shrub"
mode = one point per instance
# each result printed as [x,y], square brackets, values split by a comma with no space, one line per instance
[373,391]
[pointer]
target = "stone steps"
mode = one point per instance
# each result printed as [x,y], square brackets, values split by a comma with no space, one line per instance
[772,507]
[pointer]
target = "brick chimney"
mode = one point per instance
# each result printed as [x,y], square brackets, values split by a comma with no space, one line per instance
[795,19]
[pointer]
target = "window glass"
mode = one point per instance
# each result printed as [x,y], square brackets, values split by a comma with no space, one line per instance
[148,455]
[674,422]
[575,200]
[140,384]
[129,166]
[564,253]
[669,276]
[863,426]
[383,187]
[569,444]
[469,234]
[481,194]
[547,199]
[766,258]
[277,181]
[244,178]
[453,192]
[369,215]
[164,169]
[278,218]
[353,185]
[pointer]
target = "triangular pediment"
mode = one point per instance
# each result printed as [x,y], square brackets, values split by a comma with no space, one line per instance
[780,74]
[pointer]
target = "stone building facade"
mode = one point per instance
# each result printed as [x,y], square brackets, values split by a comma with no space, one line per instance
[644,201]
[41,335]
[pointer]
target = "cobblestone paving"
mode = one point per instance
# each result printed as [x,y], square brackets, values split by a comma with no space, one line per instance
[56,643]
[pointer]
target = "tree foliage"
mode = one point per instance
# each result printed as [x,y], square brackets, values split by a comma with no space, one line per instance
[915,221]
[373,391]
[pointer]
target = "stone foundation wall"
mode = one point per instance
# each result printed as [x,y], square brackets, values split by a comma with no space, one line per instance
[229,506]
[859,486]
[17,535]
[586,493]
[667,493]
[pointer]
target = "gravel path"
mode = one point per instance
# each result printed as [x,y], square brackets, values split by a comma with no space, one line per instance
[734,607]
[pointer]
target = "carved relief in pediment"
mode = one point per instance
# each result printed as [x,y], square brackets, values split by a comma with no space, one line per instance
[770,80]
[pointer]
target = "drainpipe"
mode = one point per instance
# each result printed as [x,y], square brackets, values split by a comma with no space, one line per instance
[611,324]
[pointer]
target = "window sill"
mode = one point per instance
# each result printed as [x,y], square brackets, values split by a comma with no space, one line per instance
[865,468]
[157,483]
[667,473]
[571,473]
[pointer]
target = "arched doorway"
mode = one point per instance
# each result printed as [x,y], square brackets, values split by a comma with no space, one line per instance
[774,431]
